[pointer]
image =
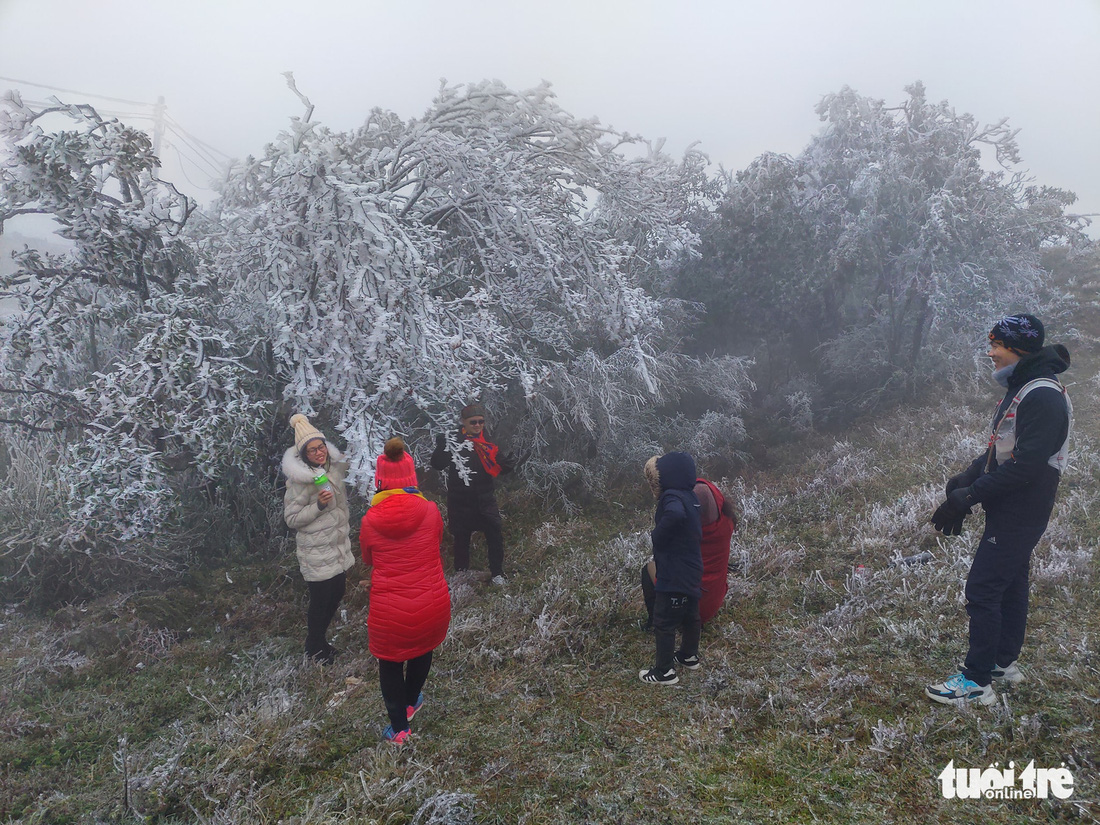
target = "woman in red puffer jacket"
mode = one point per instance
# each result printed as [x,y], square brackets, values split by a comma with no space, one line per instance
[410,605]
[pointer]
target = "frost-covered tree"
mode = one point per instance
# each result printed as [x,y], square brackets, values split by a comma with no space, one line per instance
[875,254]
[496,247]
[118,380]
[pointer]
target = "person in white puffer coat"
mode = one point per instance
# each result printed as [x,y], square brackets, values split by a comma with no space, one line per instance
[318,513]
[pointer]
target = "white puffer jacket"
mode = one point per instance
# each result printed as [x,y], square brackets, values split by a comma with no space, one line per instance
[324,545]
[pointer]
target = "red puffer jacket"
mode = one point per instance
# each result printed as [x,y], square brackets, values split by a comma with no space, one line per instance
[410,605]
[716,555]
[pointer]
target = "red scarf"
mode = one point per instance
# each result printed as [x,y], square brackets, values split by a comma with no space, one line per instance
[487,452]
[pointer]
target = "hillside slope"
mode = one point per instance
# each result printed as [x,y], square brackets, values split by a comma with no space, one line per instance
[195,705]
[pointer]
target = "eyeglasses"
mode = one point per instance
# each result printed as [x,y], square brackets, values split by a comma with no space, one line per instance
[320,448]
[475,421]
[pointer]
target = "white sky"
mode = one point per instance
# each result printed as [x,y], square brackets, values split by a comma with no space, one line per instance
[740,77]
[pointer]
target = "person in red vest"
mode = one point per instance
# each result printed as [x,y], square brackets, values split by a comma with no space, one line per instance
[410,604]
[471,496]
[719,517]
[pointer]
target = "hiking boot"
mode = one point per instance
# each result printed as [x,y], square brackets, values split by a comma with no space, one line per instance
[655,677]
[690,662]
[411,710]
[958,690]
[1008,673]
[397,738]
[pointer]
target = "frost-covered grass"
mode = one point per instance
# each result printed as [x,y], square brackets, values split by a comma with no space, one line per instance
[195,705]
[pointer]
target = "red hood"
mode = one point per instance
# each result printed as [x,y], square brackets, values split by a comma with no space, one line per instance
[399,516]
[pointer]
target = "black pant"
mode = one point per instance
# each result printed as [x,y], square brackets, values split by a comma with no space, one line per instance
[649,593]
[469,516]
[401,684]
[672,612]
[997,593]
[324,598]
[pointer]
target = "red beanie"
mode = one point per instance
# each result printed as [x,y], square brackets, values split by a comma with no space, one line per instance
[395,468]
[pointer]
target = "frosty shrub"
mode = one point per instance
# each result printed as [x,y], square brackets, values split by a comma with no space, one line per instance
[873,258]
[115,372]
[496,247]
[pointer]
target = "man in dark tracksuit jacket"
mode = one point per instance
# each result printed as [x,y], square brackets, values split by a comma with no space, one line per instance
[1015,482]
[677,536]
[471,501]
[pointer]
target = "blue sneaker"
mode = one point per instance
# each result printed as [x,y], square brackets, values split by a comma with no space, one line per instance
[411,710]
[397,738]
[958,690]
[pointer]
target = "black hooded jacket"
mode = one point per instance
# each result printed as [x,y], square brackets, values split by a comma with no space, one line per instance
[1026,483]
[678,532]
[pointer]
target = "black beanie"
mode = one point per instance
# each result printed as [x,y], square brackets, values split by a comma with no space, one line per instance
[1020,333]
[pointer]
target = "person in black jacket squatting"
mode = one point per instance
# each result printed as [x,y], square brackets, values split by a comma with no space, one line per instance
[677,549]
[1015,482]
[471,501]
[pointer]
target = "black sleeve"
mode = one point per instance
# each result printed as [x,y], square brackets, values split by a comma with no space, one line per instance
[1042,424]
[441,456]
[973,471]
[672,516]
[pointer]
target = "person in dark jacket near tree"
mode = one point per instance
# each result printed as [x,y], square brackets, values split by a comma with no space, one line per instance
[410,604]
[1015,481]
[719,520]
[676,536]
[471,496]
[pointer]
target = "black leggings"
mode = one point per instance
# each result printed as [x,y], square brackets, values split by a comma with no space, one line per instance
[401,686]
[324,598]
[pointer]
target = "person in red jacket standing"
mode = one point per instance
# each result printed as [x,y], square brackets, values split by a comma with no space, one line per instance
[410,605]
[719,518]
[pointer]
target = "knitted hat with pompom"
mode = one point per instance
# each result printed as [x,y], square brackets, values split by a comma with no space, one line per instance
[395,468]
[304,432]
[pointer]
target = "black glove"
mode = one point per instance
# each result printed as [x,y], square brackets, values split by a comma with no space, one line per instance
[954,483]
[962,499]
[949,516]
[948,519]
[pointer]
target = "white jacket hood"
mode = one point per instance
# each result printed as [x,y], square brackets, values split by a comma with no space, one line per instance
[297,470]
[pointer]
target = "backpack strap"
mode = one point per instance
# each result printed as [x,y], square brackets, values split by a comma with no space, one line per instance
[1058,460]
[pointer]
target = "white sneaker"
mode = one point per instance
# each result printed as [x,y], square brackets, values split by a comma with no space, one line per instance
[498,580]
[1009,673]
[958,690]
